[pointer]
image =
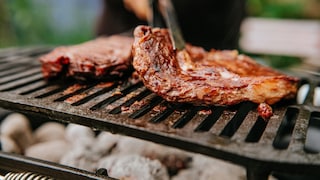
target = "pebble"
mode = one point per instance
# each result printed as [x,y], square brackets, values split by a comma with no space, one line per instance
[49,131]
[133,167]
[206,168]
[49,151]
[78,134]
[9,145]
[81,156]
[16,126]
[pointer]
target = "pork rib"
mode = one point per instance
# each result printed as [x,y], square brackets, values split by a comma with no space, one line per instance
[196,76]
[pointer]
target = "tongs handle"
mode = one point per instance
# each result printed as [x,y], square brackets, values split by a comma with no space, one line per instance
[156,19]
[169,16]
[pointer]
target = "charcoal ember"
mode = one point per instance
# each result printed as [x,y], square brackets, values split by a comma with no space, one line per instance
[133,167]
[86,152]
[173,159]
[204,168]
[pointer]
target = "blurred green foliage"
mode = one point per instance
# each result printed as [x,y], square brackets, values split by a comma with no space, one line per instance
[284,9]
[33,22]
[27,22]
[279,62]
[297,9]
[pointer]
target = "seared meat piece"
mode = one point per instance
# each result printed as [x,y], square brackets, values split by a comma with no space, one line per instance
[264,110]
[196,76]
[97,59]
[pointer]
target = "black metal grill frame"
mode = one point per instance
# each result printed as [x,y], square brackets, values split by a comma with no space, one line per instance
[235,134]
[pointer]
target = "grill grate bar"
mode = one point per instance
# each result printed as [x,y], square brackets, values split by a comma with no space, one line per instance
[34,87]
[237,119]
[186,117]
[272,126]
[14,70]
[32,51]
[52,90]
[17,61]
[34,71]
[128,103]
[257,130]
[310,95]
[245,127]
[116,96]
[170,108]
[99,92]
[299,134]
[82,89]
[146,108]
[9,64]
[209,121]
[22,82]
[285,130]
[14,163]
[36,51]
[312,144]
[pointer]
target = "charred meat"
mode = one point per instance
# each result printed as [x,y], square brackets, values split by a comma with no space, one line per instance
[96,59]
[196,76]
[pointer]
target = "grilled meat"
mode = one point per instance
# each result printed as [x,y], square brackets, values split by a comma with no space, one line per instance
[196,76]
[264,110]
[96,59]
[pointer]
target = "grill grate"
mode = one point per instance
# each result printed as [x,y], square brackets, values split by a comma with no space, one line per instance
[234,134]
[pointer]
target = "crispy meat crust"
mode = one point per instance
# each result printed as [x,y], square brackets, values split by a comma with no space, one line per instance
[99,58]
[196,76]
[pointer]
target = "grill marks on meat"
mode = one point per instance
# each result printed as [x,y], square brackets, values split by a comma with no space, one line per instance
[196,76]
[97,59]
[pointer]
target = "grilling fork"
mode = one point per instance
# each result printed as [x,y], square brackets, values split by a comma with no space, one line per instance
[163,10]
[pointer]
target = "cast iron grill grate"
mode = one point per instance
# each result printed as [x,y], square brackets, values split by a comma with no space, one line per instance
[235,134]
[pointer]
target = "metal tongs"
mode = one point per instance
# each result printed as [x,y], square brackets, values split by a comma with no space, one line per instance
[163,10]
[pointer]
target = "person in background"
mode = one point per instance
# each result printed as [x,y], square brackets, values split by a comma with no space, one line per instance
[206,23]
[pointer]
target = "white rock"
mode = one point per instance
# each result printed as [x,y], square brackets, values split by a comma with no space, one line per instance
[49,151]
[165,154]
[17,127]
[49,131]
[207,168]
[105,142]
[81,156]
[129,145]
[85,155]
[8,145]
[133,167]
[77,134]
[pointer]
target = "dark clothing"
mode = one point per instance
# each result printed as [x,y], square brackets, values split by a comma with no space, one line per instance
[115,18]
[206,23]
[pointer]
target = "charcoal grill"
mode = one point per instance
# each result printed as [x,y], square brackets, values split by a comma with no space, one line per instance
[235,134]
